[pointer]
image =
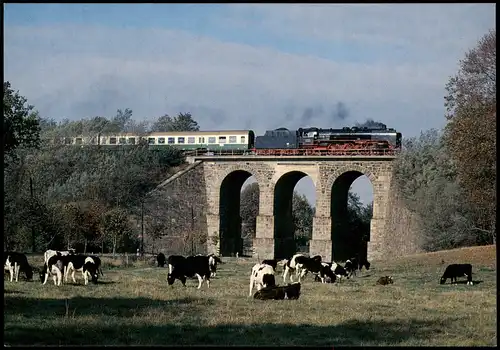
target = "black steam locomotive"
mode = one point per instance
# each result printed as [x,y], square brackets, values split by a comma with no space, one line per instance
[317,141]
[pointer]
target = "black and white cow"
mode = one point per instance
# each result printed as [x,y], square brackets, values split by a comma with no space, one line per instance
[354,264]
[385,280]
[302,264]
[213,260]
[15,263]
[81,263]
[457,270]
[181,268]
[50,253]
[55,267]
[97,262]
[262,276]
[290,291]
[338,270]
[271,262]
[161,259]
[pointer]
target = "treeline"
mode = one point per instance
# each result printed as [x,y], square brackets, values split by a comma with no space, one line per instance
[448,177]
[86,198]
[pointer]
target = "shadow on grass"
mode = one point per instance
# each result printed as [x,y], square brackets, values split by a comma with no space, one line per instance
[99,307]
[348,333]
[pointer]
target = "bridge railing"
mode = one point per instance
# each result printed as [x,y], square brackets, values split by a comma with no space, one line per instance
[296,152]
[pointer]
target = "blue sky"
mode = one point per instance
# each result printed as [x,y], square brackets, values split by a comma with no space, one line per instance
[255,66]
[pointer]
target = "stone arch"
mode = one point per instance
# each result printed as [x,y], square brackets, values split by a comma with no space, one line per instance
[227,190]
[346,242]
[344,169]
[282,189]
[222,175]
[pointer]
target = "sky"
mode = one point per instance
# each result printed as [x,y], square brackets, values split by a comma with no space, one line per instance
[244,66]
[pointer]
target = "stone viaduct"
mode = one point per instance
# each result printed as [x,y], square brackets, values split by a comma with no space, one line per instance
[277,177]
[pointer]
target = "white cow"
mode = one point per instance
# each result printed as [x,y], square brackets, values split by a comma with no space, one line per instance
[263,276]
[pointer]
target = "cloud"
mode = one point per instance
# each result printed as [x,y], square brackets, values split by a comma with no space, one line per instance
[277,65]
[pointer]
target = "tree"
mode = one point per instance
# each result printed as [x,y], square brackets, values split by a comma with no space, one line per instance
[470,132]
[302,213]
[115,225]
[426,177]
[21,122]
[183,122]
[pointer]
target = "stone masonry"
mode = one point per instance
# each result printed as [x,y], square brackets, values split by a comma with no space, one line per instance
[323,171]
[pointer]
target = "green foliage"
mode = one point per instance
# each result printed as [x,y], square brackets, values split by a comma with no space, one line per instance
[182,122]
[73,187]
[20,121]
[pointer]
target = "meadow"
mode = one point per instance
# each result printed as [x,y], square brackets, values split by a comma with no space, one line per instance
[133,305]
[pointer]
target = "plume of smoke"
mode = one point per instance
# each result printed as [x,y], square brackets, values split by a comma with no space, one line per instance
[371,124]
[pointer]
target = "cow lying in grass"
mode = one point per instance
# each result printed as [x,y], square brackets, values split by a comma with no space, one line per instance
[385,280]
[262,276]
[15,263]
[290,291]
[457,270]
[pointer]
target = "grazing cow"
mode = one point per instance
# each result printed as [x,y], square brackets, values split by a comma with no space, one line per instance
[55,267]
[290,291]
[97,262]
[81,263]
[338,270]
[180,268]
[385,280]
[301,265]
[50,253]
[351,265]
[262,276]
[457,270]
[213,260]
[271,262]
[161,259]
[15,263]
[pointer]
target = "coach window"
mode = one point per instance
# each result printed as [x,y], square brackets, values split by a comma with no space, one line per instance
[211,139]
[180,140]
[151,140]
[171,140]
[103,140]
[122,141]
[78,141]
[222,139]
[131,140]
[161,140]
[92,141]
[243,139]
[232,139]
[112,140]
[191,140]
[201,140]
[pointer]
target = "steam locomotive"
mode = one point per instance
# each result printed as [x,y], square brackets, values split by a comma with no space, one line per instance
[317,141]
[281,141]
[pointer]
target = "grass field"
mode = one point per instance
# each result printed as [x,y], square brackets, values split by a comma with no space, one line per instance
[134,306]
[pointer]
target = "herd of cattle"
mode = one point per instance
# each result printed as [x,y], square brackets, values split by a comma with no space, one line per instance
[60,264]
